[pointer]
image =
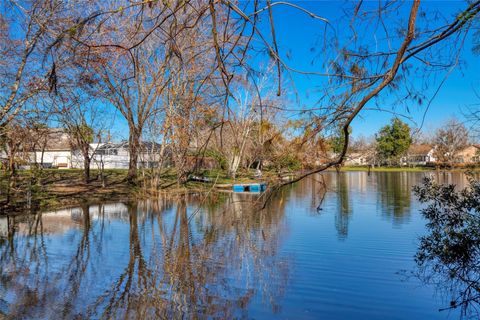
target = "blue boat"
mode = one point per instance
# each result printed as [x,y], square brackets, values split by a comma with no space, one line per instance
[250,187]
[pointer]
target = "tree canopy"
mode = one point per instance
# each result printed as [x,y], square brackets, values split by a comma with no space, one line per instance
[393,140]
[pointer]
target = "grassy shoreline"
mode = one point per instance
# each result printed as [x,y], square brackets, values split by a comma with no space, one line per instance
[52,188]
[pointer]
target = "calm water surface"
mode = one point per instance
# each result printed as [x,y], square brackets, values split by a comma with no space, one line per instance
[218,258]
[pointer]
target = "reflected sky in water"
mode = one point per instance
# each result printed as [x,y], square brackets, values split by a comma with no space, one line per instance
[192,257]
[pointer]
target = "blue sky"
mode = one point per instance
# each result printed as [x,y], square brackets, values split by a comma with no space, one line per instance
[299,36]
[297,33]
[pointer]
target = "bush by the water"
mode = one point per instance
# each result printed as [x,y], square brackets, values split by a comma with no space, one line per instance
[449,255]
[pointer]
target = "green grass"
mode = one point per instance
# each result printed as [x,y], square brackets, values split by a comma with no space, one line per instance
[242,176]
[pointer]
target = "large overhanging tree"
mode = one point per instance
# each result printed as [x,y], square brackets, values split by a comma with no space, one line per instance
[355,71]
[358,65]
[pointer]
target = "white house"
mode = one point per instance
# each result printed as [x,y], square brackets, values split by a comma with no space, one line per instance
[106,155]
[52,150]
[419,155]
[468,155]
[362,158]
[117,156]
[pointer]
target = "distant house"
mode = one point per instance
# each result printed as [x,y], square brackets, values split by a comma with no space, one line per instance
[319,157]
[361,158]
[117,156]
[106,155]
[46,147]
[468,155]
[51,149]
[419,155]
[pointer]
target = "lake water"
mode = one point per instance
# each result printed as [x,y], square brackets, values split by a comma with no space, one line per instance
[193,257]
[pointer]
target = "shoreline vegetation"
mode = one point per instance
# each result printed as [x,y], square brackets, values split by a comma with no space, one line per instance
[52,189]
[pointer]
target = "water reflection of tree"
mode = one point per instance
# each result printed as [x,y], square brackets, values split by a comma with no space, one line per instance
[207,265]
[188,276]
[394,191]
[20,267]
[449,255]
[247,240]
[42,291]
[312,191]
[121,297]
[344,211]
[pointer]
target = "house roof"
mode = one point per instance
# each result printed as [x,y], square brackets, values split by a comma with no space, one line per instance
[365,154]
[420,148]
[113,145]
[52,139]
[145,146]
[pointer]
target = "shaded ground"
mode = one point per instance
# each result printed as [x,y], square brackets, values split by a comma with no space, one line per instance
[52,188]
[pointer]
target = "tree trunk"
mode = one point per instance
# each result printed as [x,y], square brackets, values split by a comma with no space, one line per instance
[11,164]
[85,150]
[237,157]
[102,172]
[41,157]
[86,169]
[11,178]
[233,167]
[133,150]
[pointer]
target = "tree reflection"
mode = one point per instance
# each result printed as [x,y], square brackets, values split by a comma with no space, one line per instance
[21,265]
[176,263]
[394,191]
[449,255]
[344,212]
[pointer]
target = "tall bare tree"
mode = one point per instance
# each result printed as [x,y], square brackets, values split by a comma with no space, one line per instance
[26,29]
[449,140]
[81,120]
